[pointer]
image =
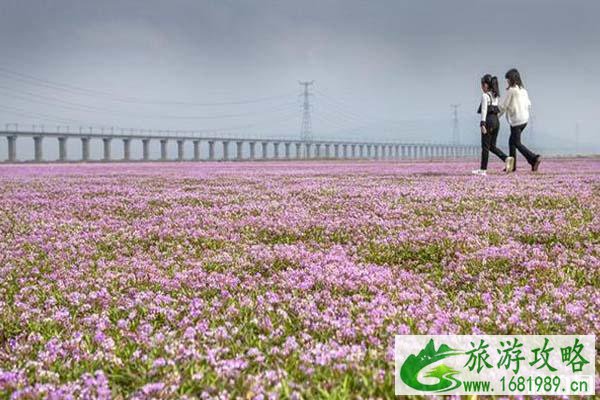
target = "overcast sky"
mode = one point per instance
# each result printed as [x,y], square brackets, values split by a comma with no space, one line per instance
[386,69]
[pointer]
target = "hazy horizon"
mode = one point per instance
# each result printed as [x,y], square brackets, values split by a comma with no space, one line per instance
[384,70]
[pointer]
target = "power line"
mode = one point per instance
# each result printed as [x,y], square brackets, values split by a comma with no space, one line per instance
[73,106]
[345,108]
[58,119]
[32,80]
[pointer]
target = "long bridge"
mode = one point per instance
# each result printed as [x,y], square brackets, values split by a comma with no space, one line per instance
[245,148]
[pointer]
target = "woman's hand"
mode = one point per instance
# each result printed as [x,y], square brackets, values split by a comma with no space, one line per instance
[483,130]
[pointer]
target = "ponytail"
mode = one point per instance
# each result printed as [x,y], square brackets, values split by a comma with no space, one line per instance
[494,86]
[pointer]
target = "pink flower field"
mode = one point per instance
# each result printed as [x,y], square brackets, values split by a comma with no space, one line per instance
[279,280]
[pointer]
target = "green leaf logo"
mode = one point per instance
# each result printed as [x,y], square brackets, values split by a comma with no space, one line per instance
[413,365]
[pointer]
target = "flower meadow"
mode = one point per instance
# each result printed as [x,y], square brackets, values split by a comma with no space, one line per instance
[279,280]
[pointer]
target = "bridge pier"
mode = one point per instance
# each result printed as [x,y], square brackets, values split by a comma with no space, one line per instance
[180,150]
[307,150]
[85,149]
[287,150]
[276,150]
[196,150]
[106,142]
[298,151]
[211,150]
[163,149]
[252,150]
[238,150]
[265,154]
[62,149]
[327,150]
[336,151]
[225,150]
[12,148]
[126,149]
[37,148]
[145,149]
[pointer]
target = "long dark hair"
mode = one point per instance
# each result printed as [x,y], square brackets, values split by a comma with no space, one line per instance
[492,84]
[514,78]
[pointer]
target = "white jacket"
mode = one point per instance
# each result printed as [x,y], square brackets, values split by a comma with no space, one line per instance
[516,105]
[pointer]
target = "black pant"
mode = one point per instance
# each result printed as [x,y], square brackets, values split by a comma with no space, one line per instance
[488,141]
[514,143]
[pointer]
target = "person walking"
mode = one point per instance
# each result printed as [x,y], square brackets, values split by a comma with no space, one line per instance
[490,124]
[516,105]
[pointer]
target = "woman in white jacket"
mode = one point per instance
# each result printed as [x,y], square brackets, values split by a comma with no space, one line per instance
[516,106]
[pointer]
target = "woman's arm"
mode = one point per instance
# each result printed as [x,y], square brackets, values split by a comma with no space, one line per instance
[484,109]
[504,104]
